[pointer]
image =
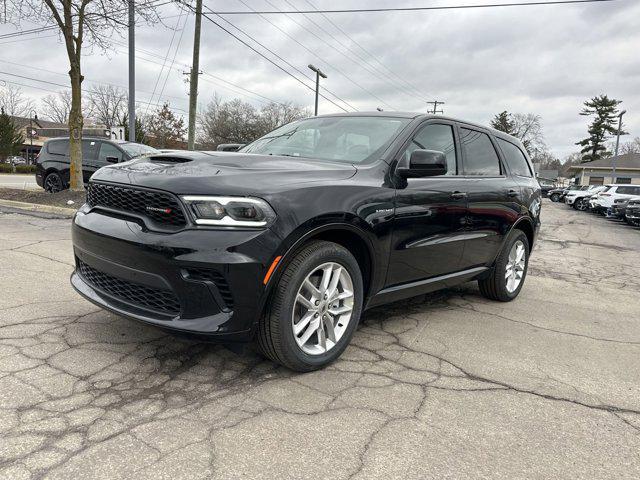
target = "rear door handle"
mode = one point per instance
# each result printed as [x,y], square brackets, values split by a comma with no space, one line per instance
[513,193]
[458,195]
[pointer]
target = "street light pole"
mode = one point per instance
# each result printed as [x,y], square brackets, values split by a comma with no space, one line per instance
[318,75]
[615,157]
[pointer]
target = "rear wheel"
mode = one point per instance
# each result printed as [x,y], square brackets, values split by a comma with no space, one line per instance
[53,183]
[507,278]
[315,308]
[555,197]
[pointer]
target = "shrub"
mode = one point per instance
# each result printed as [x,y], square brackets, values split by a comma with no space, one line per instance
[6,168]
[25,169]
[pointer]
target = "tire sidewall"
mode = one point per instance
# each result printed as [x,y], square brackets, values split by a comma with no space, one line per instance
[503,260]
[52,175]
[326,253]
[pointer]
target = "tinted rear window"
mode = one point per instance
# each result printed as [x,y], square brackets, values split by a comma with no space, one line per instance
[58,147]
[480,157]
[515,159]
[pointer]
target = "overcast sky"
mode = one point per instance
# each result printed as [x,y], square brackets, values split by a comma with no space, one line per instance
[544,59]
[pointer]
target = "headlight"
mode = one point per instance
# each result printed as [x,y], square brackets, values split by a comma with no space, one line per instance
[230,211]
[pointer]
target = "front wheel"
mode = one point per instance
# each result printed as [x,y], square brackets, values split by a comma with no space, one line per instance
[555,197]
[314,309]
[507,278]
[580,204]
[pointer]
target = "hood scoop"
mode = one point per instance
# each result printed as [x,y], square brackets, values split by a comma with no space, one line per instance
[170,159]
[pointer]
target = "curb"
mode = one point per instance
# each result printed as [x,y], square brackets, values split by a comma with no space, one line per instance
[36,207]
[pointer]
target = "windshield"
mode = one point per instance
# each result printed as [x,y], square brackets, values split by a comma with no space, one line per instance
[137,149]
[342,139]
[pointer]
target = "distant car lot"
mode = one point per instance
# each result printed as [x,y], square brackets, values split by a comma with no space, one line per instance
[442,385]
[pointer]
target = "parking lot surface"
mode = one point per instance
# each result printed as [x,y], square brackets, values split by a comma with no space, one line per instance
[18,181]
[445,386]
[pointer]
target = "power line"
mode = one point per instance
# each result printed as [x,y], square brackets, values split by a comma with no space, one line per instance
[319,57]
[371,55]
[287,63]
[371,70]
[415,9]
[267,58]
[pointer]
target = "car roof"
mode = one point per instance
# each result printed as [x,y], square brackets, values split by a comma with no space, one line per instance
[425,116]
[103,139]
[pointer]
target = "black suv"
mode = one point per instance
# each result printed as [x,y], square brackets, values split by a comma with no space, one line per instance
[288,240]
[52,165]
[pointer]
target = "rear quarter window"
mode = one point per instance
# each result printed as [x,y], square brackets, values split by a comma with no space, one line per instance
[515,159]
[58,147]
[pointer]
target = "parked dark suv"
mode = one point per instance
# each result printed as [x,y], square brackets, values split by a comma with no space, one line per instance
[288,240]
[52,165]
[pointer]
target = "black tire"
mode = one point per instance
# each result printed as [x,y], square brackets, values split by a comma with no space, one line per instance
[495,286]
[555,197]
[53,183]
[275,335]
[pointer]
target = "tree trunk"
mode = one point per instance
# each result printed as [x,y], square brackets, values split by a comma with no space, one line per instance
[76,123]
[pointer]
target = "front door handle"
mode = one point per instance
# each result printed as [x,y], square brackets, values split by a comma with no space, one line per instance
[513,193]
[458,195]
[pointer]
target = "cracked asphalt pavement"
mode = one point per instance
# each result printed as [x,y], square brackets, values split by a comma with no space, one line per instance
[443,386]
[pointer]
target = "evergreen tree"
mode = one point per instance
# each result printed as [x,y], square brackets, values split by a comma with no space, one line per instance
[165,130]
[504,123]
[604,125]
[11,139]
[140,128]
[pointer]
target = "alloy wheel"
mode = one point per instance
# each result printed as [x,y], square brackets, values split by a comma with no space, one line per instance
[323,308]
[514,270]
[53,183]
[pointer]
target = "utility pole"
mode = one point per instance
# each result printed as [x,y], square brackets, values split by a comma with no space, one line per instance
[435,106]
[132,71]
[614,160]
[193,80]
[318,75]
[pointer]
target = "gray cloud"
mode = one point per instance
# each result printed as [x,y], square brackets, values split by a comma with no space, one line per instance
[544,60]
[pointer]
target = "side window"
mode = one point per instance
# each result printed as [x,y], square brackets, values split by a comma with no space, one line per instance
[515,159]
[58,147]
[90,150]
[108,150]
[480,158]
[439,137]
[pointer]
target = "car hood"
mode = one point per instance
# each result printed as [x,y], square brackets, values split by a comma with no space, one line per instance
[223,173]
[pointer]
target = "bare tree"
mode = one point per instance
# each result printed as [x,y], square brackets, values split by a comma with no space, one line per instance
[14,102]
[90,22]
[108,104]
[236,121]
[528,128]
[274,115]
[56,107]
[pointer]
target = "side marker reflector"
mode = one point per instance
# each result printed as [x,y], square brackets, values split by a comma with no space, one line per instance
[272,268]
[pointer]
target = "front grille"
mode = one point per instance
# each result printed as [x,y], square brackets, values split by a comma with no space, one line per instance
[208,275]
[161,208]
[163,301]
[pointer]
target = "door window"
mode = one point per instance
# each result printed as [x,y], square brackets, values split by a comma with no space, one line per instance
[515,159]
[438,137]
[90,150]
[480,158]
[108,150]
[58,147]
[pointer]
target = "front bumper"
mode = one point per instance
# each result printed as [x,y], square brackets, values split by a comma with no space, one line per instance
[198,280]
[569,200]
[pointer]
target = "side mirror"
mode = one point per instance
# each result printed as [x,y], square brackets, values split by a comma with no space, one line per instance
[112,159]
[423,163]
